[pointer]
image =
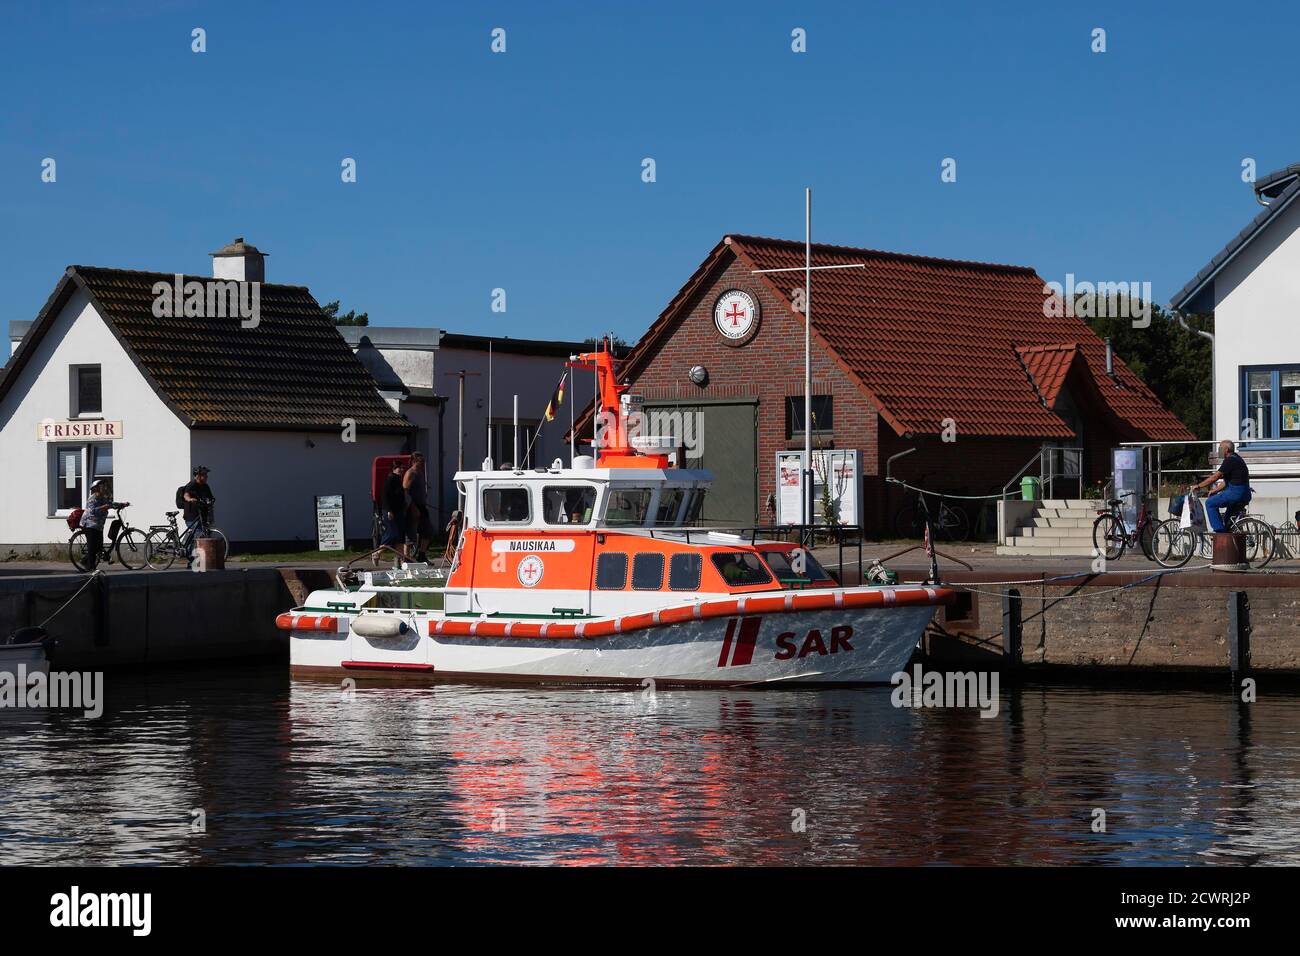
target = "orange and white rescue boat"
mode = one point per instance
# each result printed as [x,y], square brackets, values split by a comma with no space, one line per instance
[597,573]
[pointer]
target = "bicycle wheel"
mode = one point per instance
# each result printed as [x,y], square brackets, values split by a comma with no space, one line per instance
[1172,546]
[79,550]
[1108,537]
[160,550]
[1147,540]
[954,523]
[1261,540]
[908,522]
[133,549]
[225,542]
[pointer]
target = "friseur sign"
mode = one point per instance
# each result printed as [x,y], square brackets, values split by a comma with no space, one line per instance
[93,430]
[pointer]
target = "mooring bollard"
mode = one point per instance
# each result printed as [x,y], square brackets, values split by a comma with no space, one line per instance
[1238,633]
[212,555]
[1229,552]
[1011,628]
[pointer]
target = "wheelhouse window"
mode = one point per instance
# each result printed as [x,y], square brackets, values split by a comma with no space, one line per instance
[670,505]
[694,508]
[740,568]
[647,572]
[611,571]
[506,505]
[684,572]
[628,506]
[87,391]
[783,565]
[823,415]
[568,504]
[1270,402]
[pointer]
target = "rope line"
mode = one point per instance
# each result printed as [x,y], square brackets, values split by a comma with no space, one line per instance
[94,574]
[944,494]
[1078,594]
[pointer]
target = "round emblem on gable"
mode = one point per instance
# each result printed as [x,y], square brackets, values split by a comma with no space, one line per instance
[736,316]
[530,570]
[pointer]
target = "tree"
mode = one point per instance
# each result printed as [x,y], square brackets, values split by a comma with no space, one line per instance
[351,318]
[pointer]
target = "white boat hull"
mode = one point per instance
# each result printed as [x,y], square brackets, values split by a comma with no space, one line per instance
[835,646]
[32,657]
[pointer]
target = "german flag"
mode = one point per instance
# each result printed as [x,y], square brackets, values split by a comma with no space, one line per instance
[556,400]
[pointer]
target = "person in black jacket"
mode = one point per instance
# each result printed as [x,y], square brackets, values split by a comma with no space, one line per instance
[392,502]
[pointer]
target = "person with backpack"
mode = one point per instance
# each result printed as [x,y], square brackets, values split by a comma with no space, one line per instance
[196,500]
[97,508]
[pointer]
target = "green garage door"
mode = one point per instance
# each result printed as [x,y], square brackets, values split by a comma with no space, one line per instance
[726,444]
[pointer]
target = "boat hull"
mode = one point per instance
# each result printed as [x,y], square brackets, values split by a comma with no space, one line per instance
[834,646]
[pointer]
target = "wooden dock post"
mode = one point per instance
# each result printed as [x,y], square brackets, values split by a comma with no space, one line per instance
[1238,633]
[1011,628]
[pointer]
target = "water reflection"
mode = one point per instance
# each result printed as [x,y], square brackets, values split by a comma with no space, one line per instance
[296,772]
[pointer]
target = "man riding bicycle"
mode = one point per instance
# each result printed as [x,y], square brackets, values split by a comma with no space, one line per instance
[1235,477]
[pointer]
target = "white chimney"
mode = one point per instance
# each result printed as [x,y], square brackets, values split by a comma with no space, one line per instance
[239,261]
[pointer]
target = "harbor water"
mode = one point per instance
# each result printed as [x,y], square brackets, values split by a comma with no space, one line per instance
[245,766]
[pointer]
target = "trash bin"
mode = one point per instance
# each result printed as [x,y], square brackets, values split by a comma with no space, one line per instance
[1030,488]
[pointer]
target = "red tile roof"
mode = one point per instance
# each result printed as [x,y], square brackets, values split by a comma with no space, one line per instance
[1048,366]
[928,339]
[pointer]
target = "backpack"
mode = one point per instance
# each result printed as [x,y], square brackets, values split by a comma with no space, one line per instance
[74,518]
[180,496]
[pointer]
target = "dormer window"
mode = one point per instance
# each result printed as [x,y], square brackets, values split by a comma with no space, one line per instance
[87,391]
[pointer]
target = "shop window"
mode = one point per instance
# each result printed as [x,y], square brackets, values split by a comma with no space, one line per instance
[506,505]
[572,504]
[69,468]
[823,415]
[87,393]
[1270,402]
[684,572]
[647,572]
[611,571]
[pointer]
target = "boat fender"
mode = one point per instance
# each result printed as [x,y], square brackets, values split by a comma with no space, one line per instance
[379,625]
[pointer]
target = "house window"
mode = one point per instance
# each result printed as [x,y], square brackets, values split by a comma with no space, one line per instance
[1270,402]
[501,443]
[68,472]
[823,414]
[87,393]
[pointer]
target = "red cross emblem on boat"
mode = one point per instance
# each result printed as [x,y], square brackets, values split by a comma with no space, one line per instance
[530,570]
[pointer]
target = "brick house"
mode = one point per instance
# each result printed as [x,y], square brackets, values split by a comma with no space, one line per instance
[903,349]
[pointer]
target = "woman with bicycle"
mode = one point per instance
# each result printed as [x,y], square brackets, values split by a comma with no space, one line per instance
[98,505]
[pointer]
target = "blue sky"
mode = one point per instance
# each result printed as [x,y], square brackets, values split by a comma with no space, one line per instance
[522,170]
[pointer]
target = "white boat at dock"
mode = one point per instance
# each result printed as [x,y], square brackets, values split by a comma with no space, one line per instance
[596,573]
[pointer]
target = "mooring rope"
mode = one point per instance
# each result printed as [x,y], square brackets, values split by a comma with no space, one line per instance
[93,574]
[943,494]
[1065,577]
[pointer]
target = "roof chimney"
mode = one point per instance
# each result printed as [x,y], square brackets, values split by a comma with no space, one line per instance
[239,261]
[1110,358]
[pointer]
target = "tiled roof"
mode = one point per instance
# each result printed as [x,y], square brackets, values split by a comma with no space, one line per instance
[1048,365]
[292,370]
[929,339]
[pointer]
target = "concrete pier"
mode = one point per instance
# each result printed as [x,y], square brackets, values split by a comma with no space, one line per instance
[1182,622]
[153,617]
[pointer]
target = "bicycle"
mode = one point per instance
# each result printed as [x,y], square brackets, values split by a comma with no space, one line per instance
[129,544]
[166,542]
[1261,540]
[949,522]
[1111,535]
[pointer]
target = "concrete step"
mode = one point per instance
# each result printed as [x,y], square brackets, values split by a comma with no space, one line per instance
[1088,513]
[1014,550]
[1083,534]
[1050,542]
[1040,521]
[1069,503]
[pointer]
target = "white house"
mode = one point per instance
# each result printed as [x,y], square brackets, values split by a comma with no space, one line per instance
[1253,288]
[111,381]
[420,371]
